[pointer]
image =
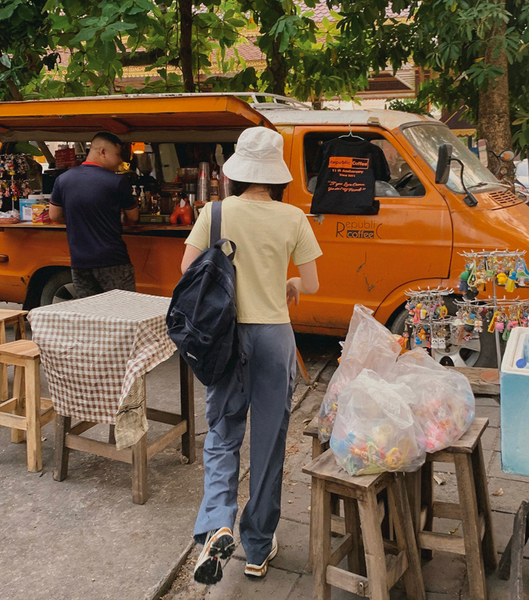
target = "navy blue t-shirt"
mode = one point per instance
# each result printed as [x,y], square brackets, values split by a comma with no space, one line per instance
[91,199]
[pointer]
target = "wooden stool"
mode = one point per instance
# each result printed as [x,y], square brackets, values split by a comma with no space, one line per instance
[22,412]
[337,522]
[477,543]
[15,318]
[371,573]
[183,425]
[311,430]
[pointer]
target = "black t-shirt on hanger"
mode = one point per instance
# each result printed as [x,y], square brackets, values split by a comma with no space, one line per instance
[346,181]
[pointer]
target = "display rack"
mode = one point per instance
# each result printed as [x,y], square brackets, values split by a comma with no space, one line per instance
[13,181]
[501,268]
[428,319]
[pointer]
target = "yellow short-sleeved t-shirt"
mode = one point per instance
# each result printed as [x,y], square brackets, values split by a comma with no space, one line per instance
[267,234]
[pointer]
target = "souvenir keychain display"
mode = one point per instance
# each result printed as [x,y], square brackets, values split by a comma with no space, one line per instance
[501,316]
[506,269]
[13,182]
[499,268]
[428,323]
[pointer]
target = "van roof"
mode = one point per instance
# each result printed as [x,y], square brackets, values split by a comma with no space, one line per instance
[389,119]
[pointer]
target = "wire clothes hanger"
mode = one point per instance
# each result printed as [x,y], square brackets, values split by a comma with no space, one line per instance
[351,134]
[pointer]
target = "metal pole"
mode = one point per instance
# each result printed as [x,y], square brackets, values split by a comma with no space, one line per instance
[496,332]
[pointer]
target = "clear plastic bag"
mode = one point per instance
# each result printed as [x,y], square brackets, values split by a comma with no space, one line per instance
[375,429]
[442,399]
[368,345]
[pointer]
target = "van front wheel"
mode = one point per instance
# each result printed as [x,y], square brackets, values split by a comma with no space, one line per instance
[58,288]
[476,353]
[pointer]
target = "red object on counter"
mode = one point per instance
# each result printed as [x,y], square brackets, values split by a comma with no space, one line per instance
[182,214]
[65,157]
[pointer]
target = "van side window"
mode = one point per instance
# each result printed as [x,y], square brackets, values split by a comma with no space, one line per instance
[403,181]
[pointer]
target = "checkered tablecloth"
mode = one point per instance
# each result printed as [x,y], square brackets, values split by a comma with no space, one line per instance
[95,352]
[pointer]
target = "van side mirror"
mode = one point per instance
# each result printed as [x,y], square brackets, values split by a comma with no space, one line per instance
[442,171]
[483,152]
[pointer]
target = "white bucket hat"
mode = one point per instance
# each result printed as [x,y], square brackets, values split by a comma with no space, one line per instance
[258,158]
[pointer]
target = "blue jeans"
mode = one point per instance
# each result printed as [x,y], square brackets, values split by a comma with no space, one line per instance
[268,357]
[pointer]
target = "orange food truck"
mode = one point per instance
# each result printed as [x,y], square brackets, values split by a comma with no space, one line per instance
[414,239]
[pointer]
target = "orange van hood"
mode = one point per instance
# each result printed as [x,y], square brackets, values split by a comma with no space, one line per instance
[486,228]
[124,115]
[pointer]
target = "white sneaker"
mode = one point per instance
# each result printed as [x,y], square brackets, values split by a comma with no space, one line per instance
[219,545]
[260,570]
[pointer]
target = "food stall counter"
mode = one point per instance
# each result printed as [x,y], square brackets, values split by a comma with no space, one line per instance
[138,229]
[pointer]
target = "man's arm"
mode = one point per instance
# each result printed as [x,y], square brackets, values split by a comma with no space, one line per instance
[131,211]
[130,217]
[56,213]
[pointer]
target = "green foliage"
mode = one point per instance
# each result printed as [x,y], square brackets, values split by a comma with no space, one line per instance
[23,44]
[104,36]
[521,132]
[409,105]
[28,148]
[302,60]
[449,38]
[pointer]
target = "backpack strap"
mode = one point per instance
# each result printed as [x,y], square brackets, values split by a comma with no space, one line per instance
[216,219]
[221,243]
[215,240]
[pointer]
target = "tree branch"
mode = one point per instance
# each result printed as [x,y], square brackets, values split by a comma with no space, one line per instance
[145,58]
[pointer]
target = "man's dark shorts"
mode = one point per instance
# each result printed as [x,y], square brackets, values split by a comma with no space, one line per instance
[89,282]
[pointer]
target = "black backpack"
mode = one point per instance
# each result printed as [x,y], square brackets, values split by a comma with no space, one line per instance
[202,316]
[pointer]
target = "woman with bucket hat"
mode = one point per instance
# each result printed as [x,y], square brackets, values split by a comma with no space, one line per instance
[268,235]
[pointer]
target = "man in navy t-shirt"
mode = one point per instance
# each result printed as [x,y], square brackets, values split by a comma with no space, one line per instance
[90,198]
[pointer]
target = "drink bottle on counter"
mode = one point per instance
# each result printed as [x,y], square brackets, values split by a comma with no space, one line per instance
[214,187]
[203,181]
[143,201]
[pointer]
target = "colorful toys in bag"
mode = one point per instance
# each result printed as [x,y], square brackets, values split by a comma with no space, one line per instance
[442,400]
[368,345]
[375,429]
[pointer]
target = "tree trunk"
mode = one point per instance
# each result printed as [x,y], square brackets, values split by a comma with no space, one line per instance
[316,102]
[494,119]
[186,34]
[278,70]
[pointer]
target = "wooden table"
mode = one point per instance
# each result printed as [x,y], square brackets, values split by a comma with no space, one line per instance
[96,352]
[480,387]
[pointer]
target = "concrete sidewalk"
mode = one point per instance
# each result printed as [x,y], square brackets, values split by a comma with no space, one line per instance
[84,539]
[288,577]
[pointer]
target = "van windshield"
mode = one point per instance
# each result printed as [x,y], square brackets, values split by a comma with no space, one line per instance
[427,138]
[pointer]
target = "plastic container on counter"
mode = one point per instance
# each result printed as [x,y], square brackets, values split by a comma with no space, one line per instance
[26,204]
